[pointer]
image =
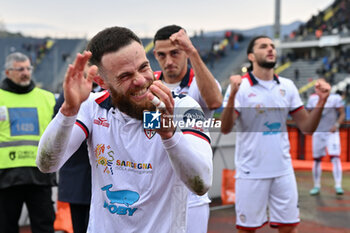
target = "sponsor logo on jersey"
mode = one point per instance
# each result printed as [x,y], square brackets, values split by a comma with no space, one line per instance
[273,128]
[101,121]
[251,95]
[105,157]
[260,108]
[119,198]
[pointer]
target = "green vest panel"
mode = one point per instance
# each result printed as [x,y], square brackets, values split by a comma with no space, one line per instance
[23,119]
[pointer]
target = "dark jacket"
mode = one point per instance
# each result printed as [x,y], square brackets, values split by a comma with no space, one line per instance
[74,183]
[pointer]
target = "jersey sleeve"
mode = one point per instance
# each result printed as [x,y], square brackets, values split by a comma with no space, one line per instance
[190,119]
[60,140]
[338,101]
[84,115]
[189,150]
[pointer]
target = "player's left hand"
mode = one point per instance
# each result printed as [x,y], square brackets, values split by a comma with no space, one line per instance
[164,94]
[322,89]
[181,40]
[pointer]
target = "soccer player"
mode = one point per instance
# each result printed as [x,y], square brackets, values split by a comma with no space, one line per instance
[260,103]
[327,136]
[172,49]
[140,179]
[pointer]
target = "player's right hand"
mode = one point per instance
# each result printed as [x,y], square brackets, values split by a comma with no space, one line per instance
[322,89]
[181,40]
[77,84]
[235,81]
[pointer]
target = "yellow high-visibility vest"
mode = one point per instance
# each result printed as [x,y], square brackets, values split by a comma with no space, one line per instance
[23,119]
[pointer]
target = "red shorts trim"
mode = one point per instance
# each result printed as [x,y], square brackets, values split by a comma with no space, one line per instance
[250,228]
[277,224]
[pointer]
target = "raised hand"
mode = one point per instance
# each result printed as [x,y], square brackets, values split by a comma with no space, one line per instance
[77,84]
[235,81]
[181,40]
[322,89]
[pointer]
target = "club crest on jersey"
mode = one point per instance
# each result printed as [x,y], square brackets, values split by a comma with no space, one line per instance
[283,92]
[149,133]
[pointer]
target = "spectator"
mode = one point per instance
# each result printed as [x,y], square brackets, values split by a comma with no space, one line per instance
[24,114]
[296,74]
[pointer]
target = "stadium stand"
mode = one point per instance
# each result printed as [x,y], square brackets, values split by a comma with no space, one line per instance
[50,72]
[223,55]
[323,43]
[50,57]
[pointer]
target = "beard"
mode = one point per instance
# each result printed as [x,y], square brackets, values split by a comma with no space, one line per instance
[266,64]
[174,73]
[127,106]
[24,81]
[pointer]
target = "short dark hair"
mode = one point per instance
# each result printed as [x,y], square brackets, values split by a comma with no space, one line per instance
[165,32]
[339,92]
[110,40]
[252,43]
[251,46]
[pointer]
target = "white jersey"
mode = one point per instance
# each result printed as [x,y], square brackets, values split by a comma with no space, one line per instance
[188,86]
[329,113]
[137,184]
[262,145]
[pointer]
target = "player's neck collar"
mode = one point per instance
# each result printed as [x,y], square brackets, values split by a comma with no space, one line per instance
[254,81]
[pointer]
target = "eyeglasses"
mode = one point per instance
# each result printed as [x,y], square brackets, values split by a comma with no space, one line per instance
[21,69]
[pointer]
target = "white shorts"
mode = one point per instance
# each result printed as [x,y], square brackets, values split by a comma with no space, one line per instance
[325,140]
[197,218]
[254,197]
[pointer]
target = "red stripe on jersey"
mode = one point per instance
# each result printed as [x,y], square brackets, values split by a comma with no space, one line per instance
[297,109]
[196,134]
[191,77]
[102,98]
[248,77]
[83,128]
[238,113]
